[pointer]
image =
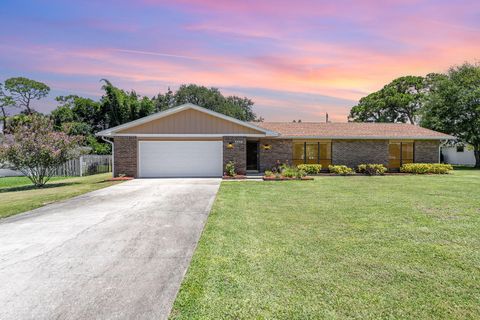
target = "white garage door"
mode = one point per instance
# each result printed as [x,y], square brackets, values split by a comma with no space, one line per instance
[180,159]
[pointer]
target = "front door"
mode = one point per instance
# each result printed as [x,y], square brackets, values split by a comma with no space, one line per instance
[252,155]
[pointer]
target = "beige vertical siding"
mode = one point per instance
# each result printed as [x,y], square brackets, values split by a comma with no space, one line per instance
[190,122]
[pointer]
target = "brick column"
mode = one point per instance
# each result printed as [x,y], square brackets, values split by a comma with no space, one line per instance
[237,154]
[125,156]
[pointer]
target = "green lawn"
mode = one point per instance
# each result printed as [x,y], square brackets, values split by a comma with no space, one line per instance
[393,247]
[17,194]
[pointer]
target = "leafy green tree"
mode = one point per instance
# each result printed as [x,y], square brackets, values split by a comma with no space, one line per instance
[399,101]
[34,148]
[5,101]
[453,105]
[23,91]
[210,98]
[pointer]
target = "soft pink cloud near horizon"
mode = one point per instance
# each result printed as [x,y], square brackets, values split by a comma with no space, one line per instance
[295,60]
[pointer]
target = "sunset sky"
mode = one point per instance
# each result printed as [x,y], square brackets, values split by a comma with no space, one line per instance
[295,59]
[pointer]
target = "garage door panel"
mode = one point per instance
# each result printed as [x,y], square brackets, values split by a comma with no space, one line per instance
[180,159]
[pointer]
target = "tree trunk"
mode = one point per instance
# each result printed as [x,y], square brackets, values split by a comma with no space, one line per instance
[476,152]
[4,120]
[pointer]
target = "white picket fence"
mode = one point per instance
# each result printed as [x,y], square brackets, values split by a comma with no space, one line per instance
[86,165]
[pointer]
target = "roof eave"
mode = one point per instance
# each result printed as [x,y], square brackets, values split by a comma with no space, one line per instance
[367,138]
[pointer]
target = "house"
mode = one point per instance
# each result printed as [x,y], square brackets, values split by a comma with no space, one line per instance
[190,141]
[458,154]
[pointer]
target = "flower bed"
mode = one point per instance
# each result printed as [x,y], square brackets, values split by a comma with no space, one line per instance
[120,179]
[274,178]
[235,177]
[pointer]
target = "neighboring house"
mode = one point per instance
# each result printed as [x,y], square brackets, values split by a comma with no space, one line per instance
[458,154]
[190,141]
[10,173]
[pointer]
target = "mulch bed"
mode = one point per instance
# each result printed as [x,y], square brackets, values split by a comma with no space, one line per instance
[237,177]
[286,179]
[120,179]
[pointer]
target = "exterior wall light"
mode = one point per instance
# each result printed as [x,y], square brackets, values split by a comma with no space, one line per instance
[230,145]
[267,147]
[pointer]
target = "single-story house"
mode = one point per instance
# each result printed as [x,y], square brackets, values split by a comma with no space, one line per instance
[191,141]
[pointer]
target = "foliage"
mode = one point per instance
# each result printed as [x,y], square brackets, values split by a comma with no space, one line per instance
[268,173]
[23,91]
[210,98]
[423,168]
[310,168]
[453,105]
[97,147]
[230,169]
[119,106]
[398,101]
[37,150]
[292,172]
[372,169]
[5,101]
[341,170]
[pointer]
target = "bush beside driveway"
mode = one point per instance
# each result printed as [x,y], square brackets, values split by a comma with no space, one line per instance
[397,247]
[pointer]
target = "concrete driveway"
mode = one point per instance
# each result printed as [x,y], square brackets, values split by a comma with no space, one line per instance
[116,253]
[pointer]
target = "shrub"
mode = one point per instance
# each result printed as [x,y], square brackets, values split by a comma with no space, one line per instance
[310,168]
[230,169]
[35,149]
[423,168]
[292,172]
[268,173]
[341,170]
[372,169]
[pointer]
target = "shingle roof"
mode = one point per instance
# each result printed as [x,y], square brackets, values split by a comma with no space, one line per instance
[352,130]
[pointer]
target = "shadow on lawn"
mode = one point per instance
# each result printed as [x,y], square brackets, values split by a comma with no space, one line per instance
[461,168]
[32,187]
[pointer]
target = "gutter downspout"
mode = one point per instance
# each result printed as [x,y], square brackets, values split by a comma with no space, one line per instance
[113,154]
[442,144]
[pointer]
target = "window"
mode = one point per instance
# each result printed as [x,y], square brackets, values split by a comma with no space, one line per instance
[460,148]
[312,152]
[400,153]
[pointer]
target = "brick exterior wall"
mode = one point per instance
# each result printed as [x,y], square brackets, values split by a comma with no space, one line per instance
[125,156]
[237,154]
[354,152]
[426,151]
[282,150]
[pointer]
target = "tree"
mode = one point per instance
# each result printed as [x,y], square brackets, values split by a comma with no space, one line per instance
[5,101]
[209,98]
[453,105]
[399,101]
[24,90]
[36,149]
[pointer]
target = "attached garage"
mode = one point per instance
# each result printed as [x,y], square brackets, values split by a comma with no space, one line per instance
[180,159]
[186,141]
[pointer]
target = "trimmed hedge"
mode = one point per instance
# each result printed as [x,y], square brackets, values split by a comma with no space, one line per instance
[372,169]
[423,168]
[341,170]
[310,168]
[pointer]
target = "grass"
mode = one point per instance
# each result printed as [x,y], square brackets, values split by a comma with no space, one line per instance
[17,194]
[393,247]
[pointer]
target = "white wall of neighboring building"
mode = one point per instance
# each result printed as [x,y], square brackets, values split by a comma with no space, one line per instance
[453,156]
[9,173]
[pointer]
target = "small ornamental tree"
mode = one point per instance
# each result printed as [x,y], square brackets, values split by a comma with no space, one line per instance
[35,149]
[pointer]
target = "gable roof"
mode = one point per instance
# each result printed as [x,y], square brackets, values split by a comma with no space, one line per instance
[187,106]
[352,130]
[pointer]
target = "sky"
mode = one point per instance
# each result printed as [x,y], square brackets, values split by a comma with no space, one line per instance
[295,59]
